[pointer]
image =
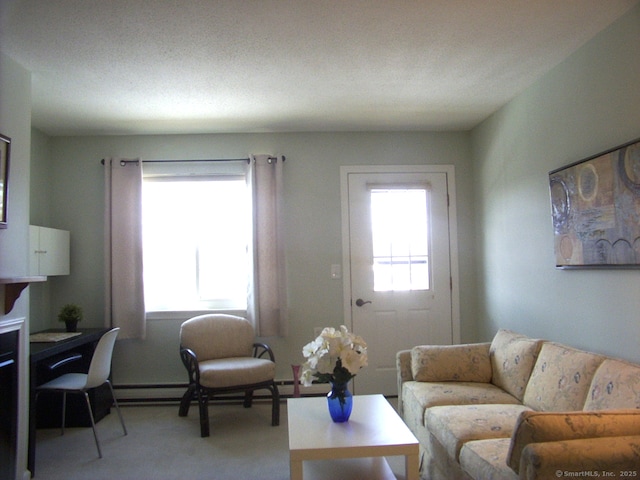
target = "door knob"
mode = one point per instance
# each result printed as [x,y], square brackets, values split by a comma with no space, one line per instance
[360,302]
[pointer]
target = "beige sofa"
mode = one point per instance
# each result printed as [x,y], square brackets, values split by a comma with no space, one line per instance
[520,408]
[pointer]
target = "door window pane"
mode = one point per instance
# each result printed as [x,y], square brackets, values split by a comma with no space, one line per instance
[400,234]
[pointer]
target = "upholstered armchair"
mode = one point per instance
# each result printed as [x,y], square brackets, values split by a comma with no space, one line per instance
[221,357]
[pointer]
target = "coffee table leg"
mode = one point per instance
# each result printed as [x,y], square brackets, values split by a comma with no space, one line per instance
[410,467]
[295,469]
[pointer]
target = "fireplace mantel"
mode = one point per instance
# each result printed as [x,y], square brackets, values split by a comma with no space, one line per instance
[13,287]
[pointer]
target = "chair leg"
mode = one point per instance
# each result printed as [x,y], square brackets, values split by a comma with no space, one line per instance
[248,398]
[185,403]
[93,423]
[203,404]
[275,405]
[115,402]
[64,412]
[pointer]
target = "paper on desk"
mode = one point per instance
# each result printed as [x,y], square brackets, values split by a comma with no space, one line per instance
[51,337]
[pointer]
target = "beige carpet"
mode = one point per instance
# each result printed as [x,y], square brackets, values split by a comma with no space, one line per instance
[161,445]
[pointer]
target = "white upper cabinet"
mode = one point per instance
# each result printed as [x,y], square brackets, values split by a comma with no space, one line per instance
[49,251]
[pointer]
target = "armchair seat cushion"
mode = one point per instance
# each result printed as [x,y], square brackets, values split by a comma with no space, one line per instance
[231,372]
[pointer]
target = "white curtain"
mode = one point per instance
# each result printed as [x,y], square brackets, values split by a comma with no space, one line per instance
[124,302]
[267,301]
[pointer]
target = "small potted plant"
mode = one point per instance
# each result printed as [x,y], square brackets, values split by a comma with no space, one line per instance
[70,314]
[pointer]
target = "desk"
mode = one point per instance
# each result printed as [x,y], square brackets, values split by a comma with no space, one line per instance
[42,353]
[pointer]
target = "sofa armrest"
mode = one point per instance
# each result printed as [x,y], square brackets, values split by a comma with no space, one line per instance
[614,457]
[541,427]
[403,373]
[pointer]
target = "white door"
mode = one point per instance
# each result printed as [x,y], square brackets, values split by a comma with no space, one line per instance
[399,284]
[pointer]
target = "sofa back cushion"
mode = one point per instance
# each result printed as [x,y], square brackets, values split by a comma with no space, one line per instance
[512,358]
[451,363]
[616,384]
[561,378]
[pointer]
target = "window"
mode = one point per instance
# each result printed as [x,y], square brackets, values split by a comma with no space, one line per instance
[195,239]
[400,233]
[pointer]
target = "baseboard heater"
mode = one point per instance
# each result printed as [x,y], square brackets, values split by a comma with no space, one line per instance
[172,392]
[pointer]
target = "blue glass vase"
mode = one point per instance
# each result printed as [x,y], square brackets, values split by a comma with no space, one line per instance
[340,402]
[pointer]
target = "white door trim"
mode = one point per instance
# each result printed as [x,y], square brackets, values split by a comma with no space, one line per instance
[449,170]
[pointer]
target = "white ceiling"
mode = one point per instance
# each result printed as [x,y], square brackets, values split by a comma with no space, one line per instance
[204,66]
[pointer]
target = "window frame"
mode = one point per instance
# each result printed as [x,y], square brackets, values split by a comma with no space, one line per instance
[219,173]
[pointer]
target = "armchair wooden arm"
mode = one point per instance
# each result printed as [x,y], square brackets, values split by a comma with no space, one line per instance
[261,349]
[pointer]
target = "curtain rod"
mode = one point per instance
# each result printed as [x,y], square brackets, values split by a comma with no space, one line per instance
[124,162]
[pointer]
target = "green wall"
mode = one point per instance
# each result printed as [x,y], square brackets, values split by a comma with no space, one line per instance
[587,104]
[313,226]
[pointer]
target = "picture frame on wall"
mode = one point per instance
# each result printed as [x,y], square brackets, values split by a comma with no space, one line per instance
[595,206]
[5,152]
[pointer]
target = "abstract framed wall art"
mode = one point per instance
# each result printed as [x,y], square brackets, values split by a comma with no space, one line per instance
[5,150]
[595,206]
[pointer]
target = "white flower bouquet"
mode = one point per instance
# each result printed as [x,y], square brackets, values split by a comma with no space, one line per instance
[335,356]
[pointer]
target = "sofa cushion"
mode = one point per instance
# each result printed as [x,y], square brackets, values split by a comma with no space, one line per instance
[453,426]
[616,384]
[512,358]
[419,396]
[482,459]
[561,378]
[451,363]
[537,427]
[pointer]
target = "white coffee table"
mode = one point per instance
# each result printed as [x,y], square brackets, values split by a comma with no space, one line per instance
[320,448]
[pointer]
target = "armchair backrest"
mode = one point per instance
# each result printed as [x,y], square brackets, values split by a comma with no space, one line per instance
[214,336]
